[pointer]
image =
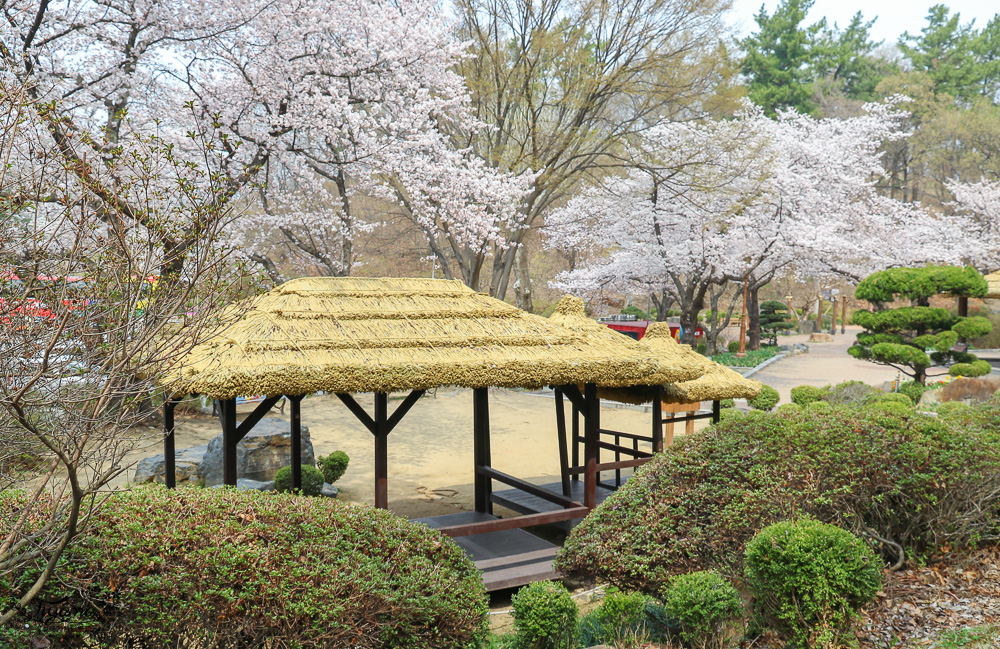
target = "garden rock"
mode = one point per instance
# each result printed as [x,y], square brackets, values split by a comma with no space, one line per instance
[186,464]
[821,338]
[328,490]
[255,485]
[259,455]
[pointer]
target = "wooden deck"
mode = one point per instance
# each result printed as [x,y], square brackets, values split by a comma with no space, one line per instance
[508,558]
[525,503]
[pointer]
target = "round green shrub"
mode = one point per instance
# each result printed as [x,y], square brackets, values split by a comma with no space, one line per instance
[333,465]
[819,406]
[806,394]
[701,348]
[895,407]
[893,397]
[766,400]
[789,407]
[848,393]
[975,368]
[729,414]
[913,390]
[545,616]
[234,568]
[733,347]
[624,619]
[707,607]
[727,403]
[312,480]
[809,579]
[949,408]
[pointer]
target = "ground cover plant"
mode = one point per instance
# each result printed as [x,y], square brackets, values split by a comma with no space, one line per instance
[221,568]
[906,482]
[753,358]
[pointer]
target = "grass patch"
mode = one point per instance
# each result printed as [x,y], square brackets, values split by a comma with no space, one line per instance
[981,637]
[752,359]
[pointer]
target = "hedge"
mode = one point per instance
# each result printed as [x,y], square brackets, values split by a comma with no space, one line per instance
[220,568]
[916,480]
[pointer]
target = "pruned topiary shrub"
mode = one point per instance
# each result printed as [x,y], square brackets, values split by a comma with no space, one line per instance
[727,403]
[707,608]
[917,481]
[729,414]
[913,390]
[312,480]
[803,395]
[975,368]
[766,400]
[848,393]
[624,620]
[949,408]
[810,579]
[893,397]
[222,568]
[545,616]
[333,465]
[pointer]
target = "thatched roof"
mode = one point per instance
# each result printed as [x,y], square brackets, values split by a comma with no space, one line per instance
[716,383]
[993,279]
[570,313]
[384,335]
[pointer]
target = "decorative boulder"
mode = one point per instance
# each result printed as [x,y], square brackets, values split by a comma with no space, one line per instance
[186,464]
[821,338]
[259,455]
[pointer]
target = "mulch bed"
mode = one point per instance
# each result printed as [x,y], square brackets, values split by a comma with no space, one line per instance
[955,590]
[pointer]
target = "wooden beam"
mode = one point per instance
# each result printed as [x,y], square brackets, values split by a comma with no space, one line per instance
[527,487]
[381,430]
[618,448]
[228,415]
[563,443]
[404,408]
[572,393]
[524,557]
[657,419]
[716,411]
[358,411]
[254,417]
[591,424]
[295,415]
[516,522]
[640,438]
[481,449]
[169,451]
[576,439]
[623,464]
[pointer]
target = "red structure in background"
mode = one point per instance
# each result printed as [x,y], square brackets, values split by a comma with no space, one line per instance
[636,329]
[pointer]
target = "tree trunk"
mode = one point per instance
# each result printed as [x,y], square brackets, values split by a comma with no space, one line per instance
[522,281]
[753,313]
[716,327]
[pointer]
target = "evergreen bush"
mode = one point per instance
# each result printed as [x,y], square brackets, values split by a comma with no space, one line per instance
[312,480]
[766,400]
[545,616]
[893,397]
[333,465]
[806,394]
[949,408]
[707,608]
[913,390]
[809,579]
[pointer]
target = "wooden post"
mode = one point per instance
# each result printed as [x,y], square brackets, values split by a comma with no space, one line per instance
[481,448]
[381,450]
[716,411]
[169,468]
[843,315]
[229,441]
[575,436]
[295,415]
[657,419]
[563,444]
[591,424]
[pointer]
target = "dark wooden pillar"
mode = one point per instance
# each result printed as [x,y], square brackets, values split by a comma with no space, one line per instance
[657,419]
[575,436]
[382,450]
[169,467]
[563,443]
[591,425]
[295,417]
[229,441]
[481,448]
[716,411]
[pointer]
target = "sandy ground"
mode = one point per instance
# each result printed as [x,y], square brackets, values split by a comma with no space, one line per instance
[430,451]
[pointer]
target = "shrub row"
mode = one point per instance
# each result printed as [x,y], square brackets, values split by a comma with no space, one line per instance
[222,568]
[882,471]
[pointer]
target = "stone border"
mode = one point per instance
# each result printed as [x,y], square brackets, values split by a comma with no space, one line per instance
[754,370]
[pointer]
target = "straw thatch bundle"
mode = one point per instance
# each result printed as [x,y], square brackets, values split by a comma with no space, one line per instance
[993,279]
[385,335]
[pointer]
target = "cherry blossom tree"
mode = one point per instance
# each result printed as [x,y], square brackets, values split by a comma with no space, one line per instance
[978,217]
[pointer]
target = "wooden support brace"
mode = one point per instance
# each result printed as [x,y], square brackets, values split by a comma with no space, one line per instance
[254,417]
[229,440]
[169,450]
[481,448]
[295,415]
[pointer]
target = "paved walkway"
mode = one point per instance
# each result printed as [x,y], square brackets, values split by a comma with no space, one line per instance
[825,364]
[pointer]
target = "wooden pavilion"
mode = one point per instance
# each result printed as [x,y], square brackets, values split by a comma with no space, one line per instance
[354,335]
[685,380]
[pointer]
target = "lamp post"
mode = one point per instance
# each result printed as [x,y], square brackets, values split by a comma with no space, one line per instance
[743,319]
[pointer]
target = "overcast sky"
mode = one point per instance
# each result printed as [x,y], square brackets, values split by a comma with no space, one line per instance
[894,16]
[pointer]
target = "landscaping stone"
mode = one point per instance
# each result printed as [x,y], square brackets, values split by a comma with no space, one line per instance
[259,455]
[328,490]
[820,338]
[186,463]
[255,485]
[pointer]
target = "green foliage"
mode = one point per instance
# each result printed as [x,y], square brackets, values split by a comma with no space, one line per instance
[975,368]
[220,568]
[773,316]
[806,394]
[766,400]
[917,480]
[847,393]
[729,414]
[789,407]
[727,403]
[625,619]
[949,408]
[752,359]
[333,465]
[545,616]
[639,313]
[733,346]
[992,339]
[810,579]
[312,480]
[701,348]
[891,397]
[920,284]
[777,57]
[913,390]
[707,607]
